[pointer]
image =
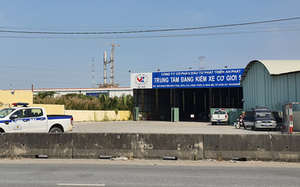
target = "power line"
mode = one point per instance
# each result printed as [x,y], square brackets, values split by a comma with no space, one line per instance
[101,27]
[150,31]
[155,36]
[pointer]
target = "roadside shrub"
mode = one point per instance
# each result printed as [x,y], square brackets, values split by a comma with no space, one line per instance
[82,102]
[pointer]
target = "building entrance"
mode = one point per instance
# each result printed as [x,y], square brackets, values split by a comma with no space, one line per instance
[194,103]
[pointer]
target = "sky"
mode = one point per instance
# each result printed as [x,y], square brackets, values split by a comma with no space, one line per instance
[51,44]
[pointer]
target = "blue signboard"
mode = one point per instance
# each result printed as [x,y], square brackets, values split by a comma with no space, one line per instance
[96,94]
[197,79]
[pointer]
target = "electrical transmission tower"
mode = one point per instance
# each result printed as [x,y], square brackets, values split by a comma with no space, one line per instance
[112,67]
[202,64]
[93,73]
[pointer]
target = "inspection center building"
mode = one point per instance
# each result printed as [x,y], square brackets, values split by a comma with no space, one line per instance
[186,95]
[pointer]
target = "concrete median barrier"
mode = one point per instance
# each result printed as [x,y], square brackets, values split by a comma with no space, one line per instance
[34,145]
[182,146]
[286,147]
[146,146]
[151,146]
[94,145]
[226,147]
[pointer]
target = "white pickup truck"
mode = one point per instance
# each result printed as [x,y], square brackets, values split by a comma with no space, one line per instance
[33,119]
[219,116]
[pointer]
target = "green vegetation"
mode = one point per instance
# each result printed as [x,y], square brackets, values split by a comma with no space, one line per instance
[43,95]
[83,102]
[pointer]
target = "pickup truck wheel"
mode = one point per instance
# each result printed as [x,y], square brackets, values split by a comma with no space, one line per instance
[55,130]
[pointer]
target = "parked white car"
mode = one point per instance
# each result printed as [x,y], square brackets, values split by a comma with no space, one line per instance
[33,119]
[219,116]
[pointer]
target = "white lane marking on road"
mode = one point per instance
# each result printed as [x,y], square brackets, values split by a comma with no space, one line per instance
[68,184]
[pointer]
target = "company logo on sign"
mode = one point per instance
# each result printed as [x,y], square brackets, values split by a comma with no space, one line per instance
[141,79]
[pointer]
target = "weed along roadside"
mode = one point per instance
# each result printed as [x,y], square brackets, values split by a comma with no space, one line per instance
[151,146]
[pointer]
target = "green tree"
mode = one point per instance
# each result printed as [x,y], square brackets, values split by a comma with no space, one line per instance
[43,95]
[75,101]
[103,101]
[113,103]
[126,102]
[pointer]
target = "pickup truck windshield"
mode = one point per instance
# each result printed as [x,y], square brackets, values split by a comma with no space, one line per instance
[264,114]
[219,112]
[5,112]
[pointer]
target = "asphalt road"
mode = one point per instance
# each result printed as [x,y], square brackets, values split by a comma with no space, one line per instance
[162,127]
[50,173]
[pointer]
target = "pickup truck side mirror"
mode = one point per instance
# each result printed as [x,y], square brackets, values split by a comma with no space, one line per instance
[12,117]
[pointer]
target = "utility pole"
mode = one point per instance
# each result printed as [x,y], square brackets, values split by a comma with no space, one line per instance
[112,67]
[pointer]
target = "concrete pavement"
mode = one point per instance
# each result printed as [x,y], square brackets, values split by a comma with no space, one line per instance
[54,173]
[162,127]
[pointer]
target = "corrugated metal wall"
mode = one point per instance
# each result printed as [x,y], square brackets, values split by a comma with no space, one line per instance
[261,89]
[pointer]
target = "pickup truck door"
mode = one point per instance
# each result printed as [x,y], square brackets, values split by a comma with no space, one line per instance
[38,121]
[21,123]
